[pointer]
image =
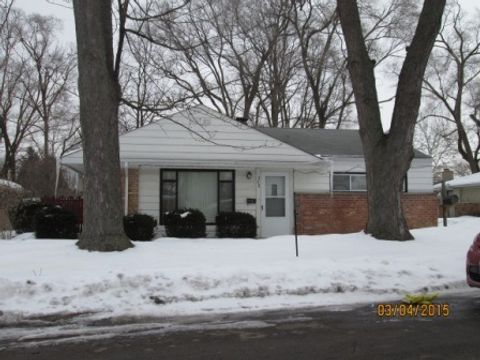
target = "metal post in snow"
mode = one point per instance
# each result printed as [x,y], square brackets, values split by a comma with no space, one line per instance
[295,221]
[444,207]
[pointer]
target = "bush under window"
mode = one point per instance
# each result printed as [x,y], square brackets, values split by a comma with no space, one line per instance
[22,217]
[53,222]
[139,227]
[185,223]
[236,225]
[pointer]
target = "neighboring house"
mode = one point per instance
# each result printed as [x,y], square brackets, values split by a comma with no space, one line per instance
[201,159]
[467,188]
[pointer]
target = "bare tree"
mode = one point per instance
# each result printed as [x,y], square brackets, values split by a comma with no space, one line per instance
[435,137]
[388,156]
[52,96]
[99,92]
[316,26]
[145,91]
[216,54]
[453,81]
[17,116]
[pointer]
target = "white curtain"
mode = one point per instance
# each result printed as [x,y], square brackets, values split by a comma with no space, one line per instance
[198,190]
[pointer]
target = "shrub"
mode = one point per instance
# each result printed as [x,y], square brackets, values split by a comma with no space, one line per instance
[186,223]
[53,222]
[22,217]
[139,226]
[236,225]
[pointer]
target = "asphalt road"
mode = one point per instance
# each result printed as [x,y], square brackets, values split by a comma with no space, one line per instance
[343,333]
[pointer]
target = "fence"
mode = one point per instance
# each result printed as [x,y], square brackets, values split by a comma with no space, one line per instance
[73,204]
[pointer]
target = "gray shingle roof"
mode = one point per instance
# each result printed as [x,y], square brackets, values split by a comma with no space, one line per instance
[325,142]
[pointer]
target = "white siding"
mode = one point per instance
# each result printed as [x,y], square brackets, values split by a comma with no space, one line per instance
[149,191]
[245,189]
[311,181]
[468,194]
[200,136]
[420,176]
[348,165]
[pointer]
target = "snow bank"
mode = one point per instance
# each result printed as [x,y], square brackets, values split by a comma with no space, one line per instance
[180,276]
[10,184]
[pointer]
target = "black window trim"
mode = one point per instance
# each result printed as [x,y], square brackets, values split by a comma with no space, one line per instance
[177,170]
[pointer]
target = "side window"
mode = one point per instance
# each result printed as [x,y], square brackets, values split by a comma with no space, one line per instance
[349,182]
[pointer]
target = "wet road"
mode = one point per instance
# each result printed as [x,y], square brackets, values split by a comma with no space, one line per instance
[345,333]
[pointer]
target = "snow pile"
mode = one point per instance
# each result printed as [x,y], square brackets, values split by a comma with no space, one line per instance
[173,276]
[472,180]
[10,184]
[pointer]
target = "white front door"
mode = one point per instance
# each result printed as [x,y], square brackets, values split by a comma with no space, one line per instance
[275,204]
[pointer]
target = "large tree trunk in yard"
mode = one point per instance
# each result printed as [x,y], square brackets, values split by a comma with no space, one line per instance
[99,100]
[385,214]
[388,156]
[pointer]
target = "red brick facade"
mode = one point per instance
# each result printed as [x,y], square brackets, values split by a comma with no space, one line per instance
[462,209]
[347,212]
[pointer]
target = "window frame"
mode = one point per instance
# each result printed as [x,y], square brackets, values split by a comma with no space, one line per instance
[177,170]
[405,181]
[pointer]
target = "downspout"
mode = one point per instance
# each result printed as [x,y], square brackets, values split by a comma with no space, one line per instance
[331,177]
[295,214]
[126,187]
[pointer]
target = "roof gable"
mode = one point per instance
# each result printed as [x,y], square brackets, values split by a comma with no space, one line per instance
[202,135]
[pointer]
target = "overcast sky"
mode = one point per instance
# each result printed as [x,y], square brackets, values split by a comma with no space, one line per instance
[65,13]
[45,7]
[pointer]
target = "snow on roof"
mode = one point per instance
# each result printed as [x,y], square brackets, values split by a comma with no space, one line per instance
[464,181]
[10,184]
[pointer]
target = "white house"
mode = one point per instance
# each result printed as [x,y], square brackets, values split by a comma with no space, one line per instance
[201,159]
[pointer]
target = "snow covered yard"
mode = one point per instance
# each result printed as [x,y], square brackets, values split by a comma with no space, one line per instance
[185,276]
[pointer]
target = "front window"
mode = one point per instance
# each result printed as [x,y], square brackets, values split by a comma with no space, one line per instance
[210,191]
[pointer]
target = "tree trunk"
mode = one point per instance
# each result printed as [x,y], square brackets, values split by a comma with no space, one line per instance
[385,213]
[9,167]
[388,156]
[99,101]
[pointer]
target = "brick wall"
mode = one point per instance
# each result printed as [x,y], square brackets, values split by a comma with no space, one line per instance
[347,212]
[132,189]
[462,209]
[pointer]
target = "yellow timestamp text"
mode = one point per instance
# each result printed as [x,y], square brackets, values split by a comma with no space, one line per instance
[413,310]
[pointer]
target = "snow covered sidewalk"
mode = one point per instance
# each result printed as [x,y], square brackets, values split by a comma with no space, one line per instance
[179,276]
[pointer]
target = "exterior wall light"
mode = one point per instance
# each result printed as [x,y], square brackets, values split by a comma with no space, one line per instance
[249,175]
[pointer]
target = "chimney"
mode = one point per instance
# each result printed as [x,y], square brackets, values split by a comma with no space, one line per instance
[242,120]
[447,174]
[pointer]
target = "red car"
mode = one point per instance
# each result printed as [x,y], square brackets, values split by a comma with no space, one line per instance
[473,263]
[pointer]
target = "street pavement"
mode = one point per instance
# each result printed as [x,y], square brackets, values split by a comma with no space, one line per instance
[344,332]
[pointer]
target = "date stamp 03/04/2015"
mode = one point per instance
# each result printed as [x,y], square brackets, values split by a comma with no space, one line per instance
[413,310]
